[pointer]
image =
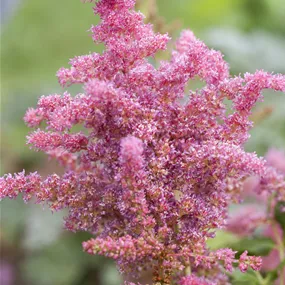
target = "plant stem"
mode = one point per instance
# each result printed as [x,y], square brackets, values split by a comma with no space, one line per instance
[261,280]
[188,270]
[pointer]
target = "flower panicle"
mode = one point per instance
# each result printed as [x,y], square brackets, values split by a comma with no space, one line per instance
[151,178]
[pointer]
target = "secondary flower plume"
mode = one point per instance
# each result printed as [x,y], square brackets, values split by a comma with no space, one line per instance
[150,177]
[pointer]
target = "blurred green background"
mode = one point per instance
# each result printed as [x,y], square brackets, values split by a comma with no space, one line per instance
[37,38]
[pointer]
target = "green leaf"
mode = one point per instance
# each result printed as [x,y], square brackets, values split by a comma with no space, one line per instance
[222,239]
[279,215]
[259,246]
[239,278]
[272,276]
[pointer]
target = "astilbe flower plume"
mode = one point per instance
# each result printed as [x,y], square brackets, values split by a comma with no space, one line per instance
[260,214]
[151,178]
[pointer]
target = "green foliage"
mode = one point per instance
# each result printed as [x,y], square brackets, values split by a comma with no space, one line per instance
[280,214]
[62,262]
[259,246]
[270,132]
[247,278]
[222,239]
[253,278]
[198,15]
[41,38]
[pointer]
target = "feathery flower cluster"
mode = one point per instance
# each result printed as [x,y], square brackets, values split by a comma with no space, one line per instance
[260,213]
[151,178]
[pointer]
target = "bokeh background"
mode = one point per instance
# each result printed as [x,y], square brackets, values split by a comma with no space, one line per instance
[37,38]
